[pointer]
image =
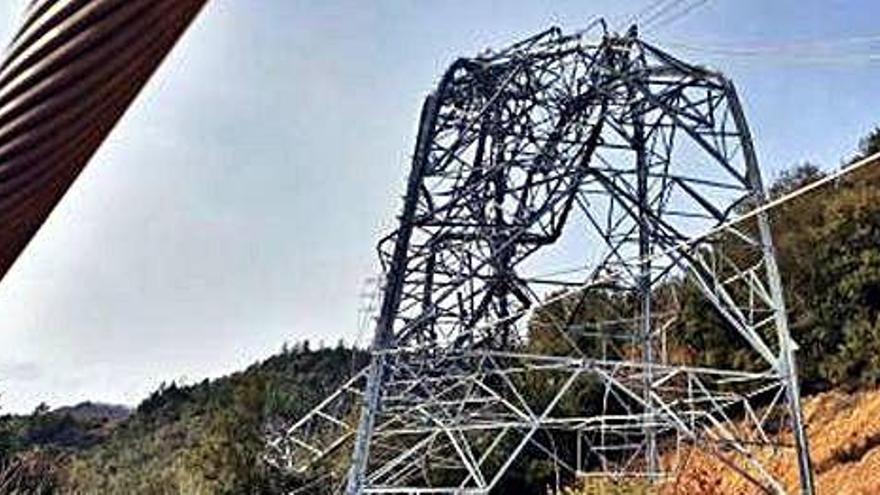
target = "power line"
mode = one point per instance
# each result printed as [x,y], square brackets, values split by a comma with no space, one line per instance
[794,47]
[661,11]
[649,11]
[657,22]
[649,8]
[791,58]
[834,51]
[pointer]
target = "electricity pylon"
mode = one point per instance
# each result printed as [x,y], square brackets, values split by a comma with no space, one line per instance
[636,165]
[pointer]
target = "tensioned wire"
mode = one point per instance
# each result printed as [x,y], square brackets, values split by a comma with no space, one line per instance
[675,16]
[661,13]
[849,50]
[800,47]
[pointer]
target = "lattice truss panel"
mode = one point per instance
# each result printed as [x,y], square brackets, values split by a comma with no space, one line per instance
[562,194]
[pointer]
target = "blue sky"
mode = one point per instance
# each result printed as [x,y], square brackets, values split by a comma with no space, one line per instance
[237,205]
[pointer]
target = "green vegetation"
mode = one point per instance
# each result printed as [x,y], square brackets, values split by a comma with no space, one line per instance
[828,244]
[198,439]
[829,247]
[206,438]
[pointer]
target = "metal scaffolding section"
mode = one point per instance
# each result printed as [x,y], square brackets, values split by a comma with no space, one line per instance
[488,345]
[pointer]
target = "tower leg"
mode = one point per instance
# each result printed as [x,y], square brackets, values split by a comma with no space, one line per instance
[786,360]
[390,302]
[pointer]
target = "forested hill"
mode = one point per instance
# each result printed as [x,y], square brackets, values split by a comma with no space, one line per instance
[206,438]
[201,438]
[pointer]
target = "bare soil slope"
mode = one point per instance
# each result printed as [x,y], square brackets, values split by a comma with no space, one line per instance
[844,432]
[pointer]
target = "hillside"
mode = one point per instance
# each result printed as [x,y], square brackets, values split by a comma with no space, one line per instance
[201,438]
[844,430]
[157,447]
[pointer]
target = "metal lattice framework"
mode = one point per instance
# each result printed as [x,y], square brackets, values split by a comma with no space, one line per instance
[636,164]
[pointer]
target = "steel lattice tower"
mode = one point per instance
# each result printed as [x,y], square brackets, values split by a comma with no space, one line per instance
[635,163]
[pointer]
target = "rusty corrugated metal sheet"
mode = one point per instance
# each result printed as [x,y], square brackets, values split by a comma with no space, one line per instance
[66,79]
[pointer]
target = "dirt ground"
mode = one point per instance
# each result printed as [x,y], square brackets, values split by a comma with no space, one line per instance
[844,434]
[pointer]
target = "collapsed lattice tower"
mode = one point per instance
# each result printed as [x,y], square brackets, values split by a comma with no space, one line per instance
[630,164]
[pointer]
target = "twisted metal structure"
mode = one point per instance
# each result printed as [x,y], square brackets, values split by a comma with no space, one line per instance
[68,76]
[631,161]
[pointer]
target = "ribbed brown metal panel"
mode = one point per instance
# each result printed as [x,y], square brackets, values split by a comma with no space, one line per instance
[67,78]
